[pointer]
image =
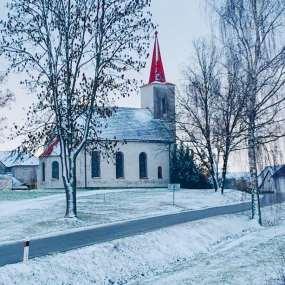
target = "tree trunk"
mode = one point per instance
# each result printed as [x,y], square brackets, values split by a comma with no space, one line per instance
[255,201]
[70,202]
[224,172]
[70,190]
[213,175]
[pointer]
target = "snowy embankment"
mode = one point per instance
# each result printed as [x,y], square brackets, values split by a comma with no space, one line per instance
[221,250]
[30,218]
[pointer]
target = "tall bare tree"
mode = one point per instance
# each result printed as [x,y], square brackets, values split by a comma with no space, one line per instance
[230,127]
[212,108]
[196,118]
[78,55]
[256,27]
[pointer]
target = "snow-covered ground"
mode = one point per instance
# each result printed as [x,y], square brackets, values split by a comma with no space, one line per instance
[27,218]
[221,250]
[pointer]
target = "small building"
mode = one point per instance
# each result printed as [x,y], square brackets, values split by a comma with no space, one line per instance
[144,137]
[272,180]
[22,168]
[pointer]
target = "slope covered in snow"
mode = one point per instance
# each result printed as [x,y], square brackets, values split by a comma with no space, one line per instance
[221,250]
[24,219]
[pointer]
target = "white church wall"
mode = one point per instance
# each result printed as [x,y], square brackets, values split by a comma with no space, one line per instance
[147,100]
[49,182]
[157,155]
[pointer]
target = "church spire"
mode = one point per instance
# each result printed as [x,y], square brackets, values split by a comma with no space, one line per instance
[157,70]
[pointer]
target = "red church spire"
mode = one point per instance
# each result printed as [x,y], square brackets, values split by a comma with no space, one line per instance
[157,70]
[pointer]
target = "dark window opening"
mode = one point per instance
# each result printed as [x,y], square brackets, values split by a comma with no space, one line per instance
[55,170]
[95,164]
[163,106]
[119,165]
[43,171]
[159,172]
[143,165]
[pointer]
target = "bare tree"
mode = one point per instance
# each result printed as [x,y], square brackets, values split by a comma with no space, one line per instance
[212,108]
[230,127]
[6,97]
[197,108]
[256,29]
[78,55]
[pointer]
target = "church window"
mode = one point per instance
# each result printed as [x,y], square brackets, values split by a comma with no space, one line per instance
[143,165]
[95,164]
[159,172]
[163,106]
[55,170]
[43,171]
[120,165]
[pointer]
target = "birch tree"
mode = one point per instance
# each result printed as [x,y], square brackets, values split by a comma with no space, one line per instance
[257,29]
[78,55]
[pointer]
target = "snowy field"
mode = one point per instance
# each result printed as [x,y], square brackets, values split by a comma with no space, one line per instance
[24,218]
[221,250]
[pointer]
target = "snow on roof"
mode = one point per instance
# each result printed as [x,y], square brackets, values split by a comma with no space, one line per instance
[128,124]
[270,169]
[13,158]
[136,124]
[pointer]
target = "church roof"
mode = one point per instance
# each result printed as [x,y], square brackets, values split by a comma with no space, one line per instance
[128,124]
[133,124]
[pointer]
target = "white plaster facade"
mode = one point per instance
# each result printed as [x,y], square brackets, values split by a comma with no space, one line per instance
[149,130]
[157,156]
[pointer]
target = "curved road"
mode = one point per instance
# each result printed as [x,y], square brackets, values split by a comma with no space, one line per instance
[13,253]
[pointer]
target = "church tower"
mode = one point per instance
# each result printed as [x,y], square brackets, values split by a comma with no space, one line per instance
[159,95]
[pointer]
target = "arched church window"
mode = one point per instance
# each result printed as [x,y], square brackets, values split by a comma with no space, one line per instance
[95,164]
[55,170]
[120,165]
[159,172]
[43,171]
[143,165]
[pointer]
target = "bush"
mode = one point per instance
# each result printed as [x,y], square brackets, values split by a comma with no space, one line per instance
[185,171]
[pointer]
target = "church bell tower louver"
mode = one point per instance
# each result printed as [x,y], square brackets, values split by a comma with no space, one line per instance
[159,95]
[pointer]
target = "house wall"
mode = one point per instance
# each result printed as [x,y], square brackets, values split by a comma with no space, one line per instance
[281,184]
[157,155]
[268,184]
[25,174]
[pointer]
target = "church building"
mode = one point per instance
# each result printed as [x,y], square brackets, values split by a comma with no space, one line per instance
[148,133]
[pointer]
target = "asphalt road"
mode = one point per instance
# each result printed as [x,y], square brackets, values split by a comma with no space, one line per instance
[13,253]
